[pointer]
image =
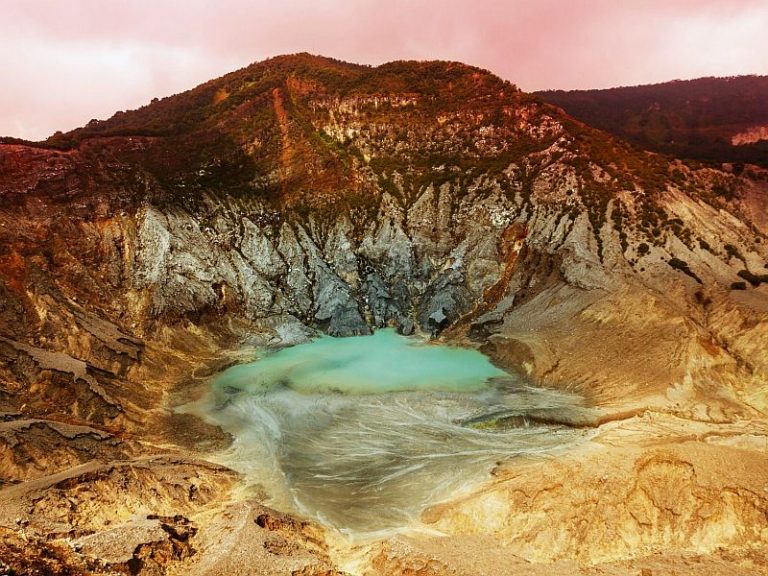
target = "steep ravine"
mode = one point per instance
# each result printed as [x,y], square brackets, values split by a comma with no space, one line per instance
[125,285]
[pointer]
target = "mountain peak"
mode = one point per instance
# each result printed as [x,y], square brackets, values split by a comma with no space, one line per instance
[437,81]
[297,63]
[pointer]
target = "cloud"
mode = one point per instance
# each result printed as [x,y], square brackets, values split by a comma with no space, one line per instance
[63,63]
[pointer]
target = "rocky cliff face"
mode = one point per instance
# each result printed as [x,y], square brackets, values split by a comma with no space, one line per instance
[305,194]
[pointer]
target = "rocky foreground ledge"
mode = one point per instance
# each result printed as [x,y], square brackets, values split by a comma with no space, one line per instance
[137,255]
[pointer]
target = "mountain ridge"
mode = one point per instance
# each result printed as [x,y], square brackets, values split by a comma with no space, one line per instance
[700,119]
[281,66]
[205,123]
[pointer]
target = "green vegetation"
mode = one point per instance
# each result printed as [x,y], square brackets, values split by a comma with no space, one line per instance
[733,252]
[754,279]
[682,266]
[618,217]
[692,119]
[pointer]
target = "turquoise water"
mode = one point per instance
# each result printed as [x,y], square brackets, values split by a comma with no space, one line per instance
[363,433]
[382,362]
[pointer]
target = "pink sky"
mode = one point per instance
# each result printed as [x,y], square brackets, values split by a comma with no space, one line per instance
[63,62]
